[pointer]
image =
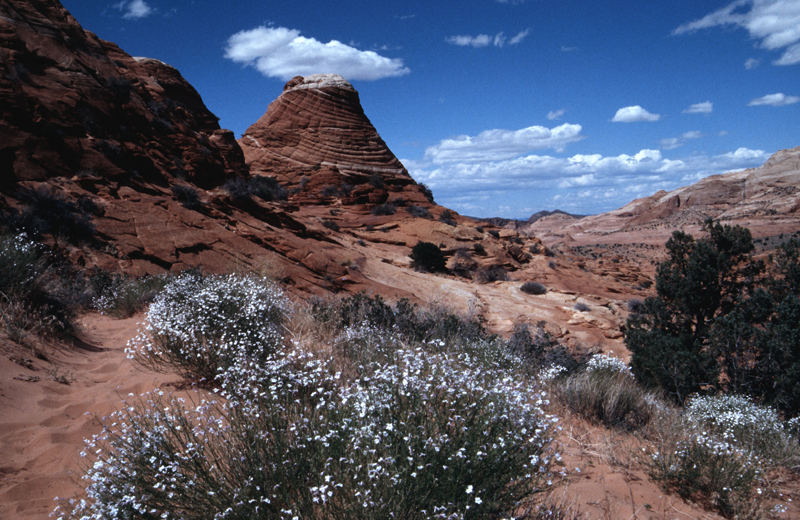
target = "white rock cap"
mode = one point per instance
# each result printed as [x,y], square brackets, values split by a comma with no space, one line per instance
[318,81]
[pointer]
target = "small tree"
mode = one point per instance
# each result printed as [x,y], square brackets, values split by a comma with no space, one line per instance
[718,324]
[701,280]
[427,257]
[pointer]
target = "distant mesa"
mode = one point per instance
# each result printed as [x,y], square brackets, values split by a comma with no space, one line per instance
[315,138]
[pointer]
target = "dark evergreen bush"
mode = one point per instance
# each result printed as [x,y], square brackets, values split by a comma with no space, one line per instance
[426,256]
[718,324]
[533,288]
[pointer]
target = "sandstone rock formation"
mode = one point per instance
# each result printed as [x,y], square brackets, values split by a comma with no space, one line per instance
[71,103]
[765,199]
[316,139]
[126,148]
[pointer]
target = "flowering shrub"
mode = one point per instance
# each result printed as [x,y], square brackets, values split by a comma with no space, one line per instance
[728,443]
[707,469]
[742,423]
[424,436]
[608,363]
[202,325]
[551,372]
[377,427]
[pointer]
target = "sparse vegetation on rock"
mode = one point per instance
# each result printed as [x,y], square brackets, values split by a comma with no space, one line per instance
[384,209]
[266,188]
[186,195]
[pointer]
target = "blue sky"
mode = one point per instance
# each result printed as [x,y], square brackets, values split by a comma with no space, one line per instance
[505,107]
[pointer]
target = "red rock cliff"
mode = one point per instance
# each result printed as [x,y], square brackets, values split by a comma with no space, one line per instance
[71,103]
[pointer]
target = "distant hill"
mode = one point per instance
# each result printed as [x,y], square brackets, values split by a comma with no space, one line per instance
[544,213]
[765,199]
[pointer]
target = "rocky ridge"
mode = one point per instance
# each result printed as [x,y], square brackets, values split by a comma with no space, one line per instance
[765,199]
[126,148]
[73,104]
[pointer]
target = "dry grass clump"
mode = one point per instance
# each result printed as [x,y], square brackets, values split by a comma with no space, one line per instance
[122,297]
[34,296]
[605,392]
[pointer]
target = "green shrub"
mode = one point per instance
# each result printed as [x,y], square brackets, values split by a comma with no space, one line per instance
[426,256]
[718,324]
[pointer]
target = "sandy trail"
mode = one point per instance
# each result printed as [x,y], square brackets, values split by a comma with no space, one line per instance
[43,422]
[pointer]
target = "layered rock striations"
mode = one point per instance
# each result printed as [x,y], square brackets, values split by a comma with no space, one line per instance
[72,103]
[316,139]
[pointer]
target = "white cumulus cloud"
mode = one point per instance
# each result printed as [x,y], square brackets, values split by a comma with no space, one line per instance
[279,52]
[134,9]
[633,114]
[485,40]
[706,107]
[778,99]
[775,23]
[498,144]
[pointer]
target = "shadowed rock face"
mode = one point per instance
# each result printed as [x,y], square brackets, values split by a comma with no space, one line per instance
[71,103]
[316,132]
